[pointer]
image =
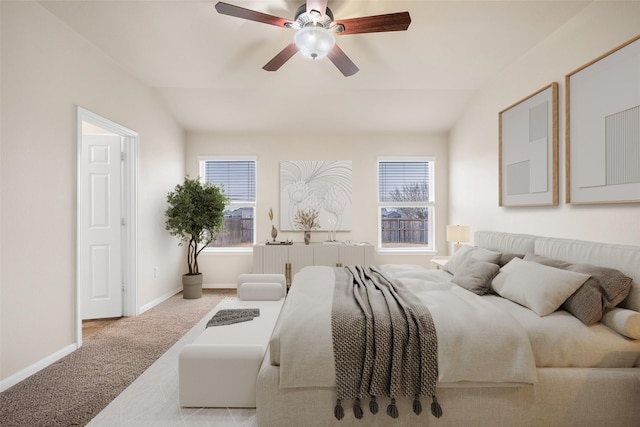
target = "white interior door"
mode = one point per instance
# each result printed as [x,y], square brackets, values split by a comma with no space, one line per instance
[101,281]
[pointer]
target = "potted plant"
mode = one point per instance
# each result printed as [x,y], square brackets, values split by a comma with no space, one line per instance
[195,215]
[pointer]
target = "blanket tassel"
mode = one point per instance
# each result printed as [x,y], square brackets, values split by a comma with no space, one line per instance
[417,406]
[338,411]
[357,409]
[392,409]
[373,405]
[436,409]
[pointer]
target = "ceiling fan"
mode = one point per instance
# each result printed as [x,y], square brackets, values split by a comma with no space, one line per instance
[315,31]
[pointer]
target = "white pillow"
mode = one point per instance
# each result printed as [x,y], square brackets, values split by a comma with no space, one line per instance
[625,322]
[538,287]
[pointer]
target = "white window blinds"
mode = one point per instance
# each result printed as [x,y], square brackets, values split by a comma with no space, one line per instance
[403,181]
[237,177]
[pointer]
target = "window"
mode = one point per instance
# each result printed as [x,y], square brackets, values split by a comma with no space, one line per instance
[405,203]
[237,176]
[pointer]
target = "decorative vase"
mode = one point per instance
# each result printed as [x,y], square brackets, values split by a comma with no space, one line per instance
[274,232]
[307,237]
[192,286]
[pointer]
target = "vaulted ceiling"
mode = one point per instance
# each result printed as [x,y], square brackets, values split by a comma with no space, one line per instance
[207,67]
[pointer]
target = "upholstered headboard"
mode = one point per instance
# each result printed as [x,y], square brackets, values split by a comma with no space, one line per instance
[621,257]
[505,242]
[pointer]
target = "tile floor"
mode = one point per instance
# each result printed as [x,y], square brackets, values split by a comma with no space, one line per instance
[152,399]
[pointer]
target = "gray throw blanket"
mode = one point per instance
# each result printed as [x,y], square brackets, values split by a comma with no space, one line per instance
[233,315]
[384,342]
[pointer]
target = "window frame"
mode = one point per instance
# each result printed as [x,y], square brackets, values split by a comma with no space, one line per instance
[430,205]
[202,159]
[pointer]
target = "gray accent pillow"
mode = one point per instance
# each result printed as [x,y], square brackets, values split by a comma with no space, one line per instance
[458,258]
[605,289]
[467,251]
[550,262]
[475,275]
[486,255]
[508,256]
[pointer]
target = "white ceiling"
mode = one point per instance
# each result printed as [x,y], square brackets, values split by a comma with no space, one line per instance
[208,67]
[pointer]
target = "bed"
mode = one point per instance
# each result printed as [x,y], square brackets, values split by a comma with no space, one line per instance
[499,362]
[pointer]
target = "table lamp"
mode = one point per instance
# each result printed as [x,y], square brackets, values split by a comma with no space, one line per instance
[457,234]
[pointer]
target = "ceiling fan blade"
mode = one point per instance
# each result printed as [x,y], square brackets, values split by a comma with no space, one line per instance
[282,57]
[251,15]
[375,24]
[342,61]
[319,5]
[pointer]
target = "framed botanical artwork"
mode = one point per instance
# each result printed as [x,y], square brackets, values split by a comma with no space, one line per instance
[528,150]
[318,187]
[603,128]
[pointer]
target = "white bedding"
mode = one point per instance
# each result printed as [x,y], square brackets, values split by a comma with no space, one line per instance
[476,343]
[561,340]
[558,340]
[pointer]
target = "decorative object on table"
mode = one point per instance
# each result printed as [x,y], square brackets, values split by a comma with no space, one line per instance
[274,230]
[528,150]
[457,234]
[195,215]
[307,221]
[331,230]
[602,137]
[321,185]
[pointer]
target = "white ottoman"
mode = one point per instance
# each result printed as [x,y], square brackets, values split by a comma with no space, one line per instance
[262,286]
[220,368]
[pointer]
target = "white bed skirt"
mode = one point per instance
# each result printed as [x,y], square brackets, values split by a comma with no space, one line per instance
[562,397]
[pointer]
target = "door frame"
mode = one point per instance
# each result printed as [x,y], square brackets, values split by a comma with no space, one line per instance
[129,196]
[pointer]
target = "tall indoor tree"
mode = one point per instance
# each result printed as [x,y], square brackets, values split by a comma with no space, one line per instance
[196,216]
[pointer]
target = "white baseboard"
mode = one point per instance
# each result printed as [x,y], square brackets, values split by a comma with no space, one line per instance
[168,295]
[163,298]
[219,286]
[41,364]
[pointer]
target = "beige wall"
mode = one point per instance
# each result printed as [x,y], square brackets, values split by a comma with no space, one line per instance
[47,70]
[362,151]
[474,141]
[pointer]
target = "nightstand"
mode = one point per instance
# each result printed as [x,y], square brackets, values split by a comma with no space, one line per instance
[439,261]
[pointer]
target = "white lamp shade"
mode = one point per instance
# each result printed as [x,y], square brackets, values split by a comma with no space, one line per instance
[314,42]
[457,233]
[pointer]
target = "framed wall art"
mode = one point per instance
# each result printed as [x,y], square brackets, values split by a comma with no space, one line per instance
[603,128]
[528,150]
[323,186]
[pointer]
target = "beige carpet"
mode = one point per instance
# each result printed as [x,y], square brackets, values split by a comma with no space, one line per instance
[76,388]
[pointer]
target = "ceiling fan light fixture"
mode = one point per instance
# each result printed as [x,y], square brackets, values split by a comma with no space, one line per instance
[314,42]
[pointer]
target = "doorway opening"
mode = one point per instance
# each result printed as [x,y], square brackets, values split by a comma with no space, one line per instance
[107,220]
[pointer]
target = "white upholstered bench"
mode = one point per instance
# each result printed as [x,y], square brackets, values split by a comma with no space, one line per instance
[220,368]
